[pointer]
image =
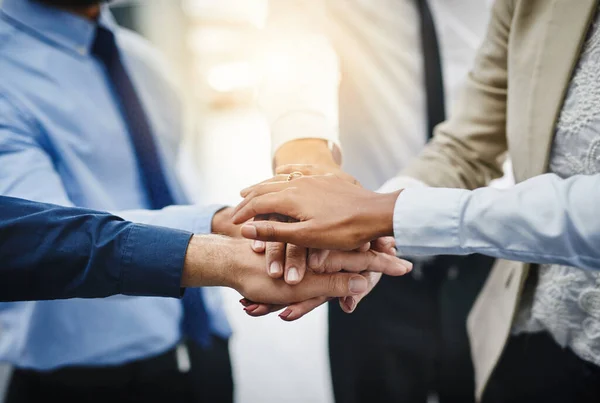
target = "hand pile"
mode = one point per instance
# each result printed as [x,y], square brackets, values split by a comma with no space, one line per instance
[302,237]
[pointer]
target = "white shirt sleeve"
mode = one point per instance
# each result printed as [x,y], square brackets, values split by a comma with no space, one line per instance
[301,74]
[545,219]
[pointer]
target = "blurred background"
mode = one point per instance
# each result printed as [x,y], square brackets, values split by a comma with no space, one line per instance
[214,50]
[212,47]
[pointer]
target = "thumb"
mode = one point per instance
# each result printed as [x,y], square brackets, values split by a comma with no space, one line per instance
[342,284]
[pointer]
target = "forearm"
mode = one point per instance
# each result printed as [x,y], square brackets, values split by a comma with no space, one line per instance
[543,220]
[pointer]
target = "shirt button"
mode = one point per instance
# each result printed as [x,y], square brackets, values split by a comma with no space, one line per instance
[82,50]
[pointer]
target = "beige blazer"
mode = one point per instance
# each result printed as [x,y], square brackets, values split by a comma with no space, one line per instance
[510,103]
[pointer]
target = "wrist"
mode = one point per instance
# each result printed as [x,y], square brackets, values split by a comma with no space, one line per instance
[380,211]
[207,262]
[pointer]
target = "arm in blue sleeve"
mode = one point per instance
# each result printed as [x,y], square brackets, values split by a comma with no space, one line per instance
[31,174]
[52,252]
[542,220]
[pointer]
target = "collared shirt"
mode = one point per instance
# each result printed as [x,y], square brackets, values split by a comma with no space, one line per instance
[545,219]
[63,140]
[53,252]
[351,72]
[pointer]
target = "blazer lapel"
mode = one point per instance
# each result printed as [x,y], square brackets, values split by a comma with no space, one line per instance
[569,24]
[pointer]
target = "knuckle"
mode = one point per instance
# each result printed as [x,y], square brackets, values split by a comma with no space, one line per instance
[269,231]
[335,284]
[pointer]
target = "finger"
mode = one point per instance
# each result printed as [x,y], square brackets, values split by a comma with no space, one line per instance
[305,169]
[250,308]
[275,256]
[258,246]
[271,203]
[386,245]
[331,285]
[316,257]
[295,263]
[276,178]
[271,231]
[276,182]
[265,309]
[349,304]
[259,309]
[365,247]
[298,310]
[357,262]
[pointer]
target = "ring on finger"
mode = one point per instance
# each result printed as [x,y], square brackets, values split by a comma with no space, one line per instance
[294,175]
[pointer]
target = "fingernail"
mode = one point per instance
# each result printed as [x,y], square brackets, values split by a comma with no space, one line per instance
[394,251]
[249,231]
[251,308]
[284,315]
[350,304]
[259,244]
[275,268]
[293,275]
[313,261]
[358,284]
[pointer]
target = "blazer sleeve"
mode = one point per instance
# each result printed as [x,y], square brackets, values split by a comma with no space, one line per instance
[52,252]
[468,149]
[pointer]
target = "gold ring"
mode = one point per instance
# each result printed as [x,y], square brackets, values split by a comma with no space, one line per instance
[294,175]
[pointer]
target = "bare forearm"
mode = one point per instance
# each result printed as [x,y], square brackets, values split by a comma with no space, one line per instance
[204,262]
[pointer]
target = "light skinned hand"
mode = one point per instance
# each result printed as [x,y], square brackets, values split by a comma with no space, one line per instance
[213,260]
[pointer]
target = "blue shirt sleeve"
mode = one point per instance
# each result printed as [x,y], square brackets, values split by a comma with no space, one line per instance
[52,252]
[545,219]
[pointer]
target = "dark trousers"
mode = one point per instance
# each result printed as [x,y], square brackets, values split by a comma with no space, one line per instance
[533,368]
[157,379]
[408,339]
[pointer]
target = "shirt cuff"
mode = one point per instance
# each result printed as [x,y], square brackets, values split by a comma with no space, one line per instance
[427,221]
[204,218]
[152,261]
[302,125]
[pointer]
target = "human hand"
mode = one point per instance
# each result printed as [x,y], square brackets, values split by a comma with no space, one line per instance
[222,224]
[348,304]
[220,261]
[296,311]
[291,260]
[330,212]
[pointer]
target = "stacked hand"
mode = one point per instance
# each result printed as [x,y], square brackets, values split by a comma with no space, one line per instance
[278,206]
[213,260]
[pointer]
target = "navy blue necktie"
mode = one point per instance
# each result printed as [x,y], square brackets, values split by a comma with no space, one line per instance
[432,66]
[195,322]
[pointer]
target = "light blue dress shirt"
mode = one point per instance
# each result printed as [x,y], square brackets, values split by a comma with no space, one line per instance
[63,140]
[545,219]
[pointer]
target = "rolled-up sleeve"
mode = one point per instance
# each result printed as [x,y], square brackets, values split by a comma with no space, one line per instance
[542,220]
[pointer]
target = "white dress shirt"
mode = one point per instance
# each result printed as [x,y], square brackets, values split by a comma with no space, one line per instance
[351,72]
[545,219]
